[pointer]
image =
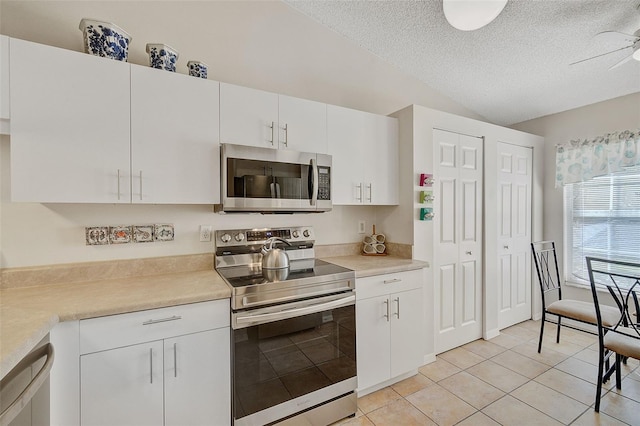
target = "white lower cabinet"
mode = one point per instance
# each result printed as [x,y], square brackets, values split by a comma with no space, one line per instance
[181,379]
[390,318]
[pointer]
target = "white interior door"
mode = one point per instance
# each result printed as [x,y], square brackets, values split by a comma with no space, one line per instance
[458,230]
[514,233]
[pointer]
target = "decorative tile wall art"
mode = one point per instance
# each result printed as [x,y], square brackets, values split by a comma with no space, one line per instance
[119,234]
[123,234]
[426,197]
[97,235]
[163,232]
[143,233]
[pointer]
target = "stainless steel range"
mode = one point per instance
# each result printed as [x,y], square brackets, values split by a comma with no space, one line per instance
[294,335]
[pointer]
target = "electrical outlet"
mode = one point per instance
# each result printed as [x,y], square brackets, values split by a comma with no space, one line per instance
[205,233]
[361,226]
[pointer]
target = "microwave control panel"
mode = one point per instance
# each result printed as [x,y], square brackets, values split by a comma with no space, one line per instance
[324,183]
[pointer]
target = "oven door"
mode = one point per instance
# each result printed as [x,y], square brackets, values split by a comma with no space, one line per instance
[293,357]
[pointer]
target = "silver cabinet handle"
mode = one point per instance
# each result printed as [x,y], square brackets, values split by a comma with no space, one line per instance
[359,187]
[151,365]
[397,300]
[286,135]
[12,411]
[386,302]
[395,280]
[175,360]
[273,125]
[468,252]
[370,186]
[156,321]
[118,184]
[506,247]
[140,185]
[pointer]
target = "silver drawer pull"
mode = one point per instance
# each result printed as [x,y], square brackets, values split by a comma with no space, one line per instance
[156,321]
[395,280]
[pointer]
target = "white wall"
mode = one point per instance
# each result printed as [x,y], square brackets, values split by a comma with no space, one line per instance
[617,114]
[264,44]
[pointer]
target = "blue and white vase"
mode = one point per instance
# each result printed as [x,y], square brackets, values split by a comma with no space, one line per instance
[162,57]
[105,39]
[197,69]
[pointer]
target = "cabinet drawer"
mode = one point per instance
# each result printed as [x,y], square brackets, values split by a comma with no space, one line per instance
[98,334]
[379,285]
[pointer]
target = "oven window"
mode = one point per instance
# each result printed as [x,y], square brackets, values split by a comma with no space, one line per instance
[267,179]
[280,361]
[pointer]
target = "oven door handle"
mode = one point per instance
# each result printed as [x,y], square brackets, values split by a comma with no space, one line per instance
[294,312]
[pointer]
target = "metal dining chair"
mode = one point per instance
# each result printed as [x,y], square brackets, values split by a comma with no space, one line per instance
[623,338]
[546,261]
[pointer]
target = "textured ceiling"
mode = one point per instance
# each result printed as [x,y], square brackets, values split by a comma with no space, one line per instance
[514,69]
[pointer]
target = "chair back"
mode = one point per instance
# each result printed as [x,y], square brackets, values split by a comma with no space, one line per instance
[546,261]
[622,279]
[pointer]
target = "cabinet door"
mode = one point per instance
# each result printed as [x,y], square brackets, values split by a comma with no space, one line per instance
[346,133]
[407,325]
[197,379]
[70,126]
[303,125]
[373,356]
[248,116]
[122,386]
[380,151]
[175,154]
[4,85]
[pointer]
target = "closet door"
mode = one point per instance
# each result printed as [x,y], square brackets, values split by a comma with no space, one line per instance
[514,233]
[458,232]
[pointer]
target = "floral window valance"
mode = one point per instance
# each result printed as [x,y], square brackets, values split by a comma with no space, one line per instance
[581,160]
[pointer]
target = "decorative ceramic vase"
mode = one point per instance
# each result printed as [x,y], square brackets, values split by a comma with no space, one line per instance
[162,57]
[105,39]
[197,69]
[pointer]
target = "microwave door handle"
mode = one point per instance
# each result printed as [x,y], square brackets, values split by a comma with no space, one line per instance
[314,181]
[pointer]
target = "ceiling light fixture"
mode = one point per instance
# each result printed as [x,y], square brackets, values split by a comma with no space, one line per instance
[469,15]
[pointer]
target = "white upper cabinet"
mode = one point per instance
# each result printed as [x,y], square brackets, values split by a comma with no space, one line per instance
[248,116]
[303,125]
[5,112]
[175,153]
[69,126]
[364,147]
[264,119]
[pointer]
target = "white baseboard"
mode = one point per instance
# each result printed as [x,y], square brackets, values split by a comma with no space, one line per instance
[429,358]
[490,334]
[363,392]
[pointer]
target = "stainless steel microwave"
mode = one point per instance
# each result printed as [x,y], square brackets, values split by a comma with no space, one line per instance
[271,180]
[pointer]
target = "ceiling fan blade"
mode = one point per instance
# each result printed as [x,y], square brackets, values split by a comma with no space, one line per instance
[615,37]
[625,60]
[597,56]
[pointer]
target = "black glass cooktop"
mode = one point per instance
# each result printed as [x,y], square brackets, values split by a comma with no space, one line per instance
[246,275]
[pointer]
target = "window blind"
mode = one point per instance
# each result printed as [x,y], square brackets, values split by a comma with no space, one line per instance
[603,220]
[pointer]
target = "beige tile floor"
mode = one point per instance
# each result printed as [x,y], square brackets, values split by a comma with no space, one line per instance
[504,381]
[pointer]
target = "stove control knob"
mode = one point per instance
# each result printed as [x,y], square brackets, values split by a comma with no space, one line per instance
[296,234]
[306,233]
[239,237]
[225,238]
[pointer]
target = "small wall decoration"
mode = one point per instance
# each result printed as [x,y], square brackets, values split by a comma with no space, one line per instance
[163,232]
[119,234]
[426,213]
[143,233]
[97,235]
[426,179]
[123,234]
[426,197]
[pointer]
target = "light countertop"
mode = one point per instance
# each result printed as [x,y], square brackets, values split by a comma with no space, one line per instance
[27,314]
[366,266]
